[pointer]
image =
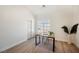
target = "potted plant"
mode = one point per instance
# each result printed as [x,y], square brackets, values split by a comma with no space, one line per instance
[51,33]
[73,31]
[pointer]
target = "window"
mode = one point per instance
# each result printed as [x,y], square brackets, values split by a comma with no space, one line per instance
[43,26]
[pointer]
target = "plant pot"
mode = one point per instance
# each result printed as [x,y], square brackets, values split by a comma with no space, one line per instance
[69,39]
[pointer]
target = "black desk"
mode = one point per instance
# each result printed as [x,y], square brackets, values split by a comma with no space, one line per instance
[37,42]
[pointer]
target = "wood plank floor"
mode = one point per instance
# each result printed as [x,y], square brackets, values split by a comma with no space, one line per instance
[29,47]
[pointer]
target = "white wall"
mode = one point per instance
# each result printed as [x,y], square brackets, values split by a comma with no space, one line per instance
[75,21]
[13,25]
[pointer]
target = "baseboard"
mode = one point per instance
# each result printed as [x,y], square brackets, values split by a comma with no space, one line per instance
[61,40]
[5,48]
[77,45]
[31,38]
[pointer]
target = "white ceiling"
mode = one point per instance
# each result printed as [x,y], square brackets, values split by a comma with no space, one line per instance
[50,11]
[39,9]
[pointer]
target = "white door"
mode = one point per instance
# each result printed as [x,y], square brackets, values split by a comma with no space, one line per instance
[29,29]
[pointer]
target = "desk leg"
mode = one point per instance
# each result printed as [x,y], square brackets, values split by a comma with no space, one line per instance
[39,39]
[42,39]
[36,40]
[53,44]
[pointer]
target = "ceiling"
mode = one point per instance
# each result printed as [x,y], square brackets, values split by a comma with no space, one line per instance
[40,10]
[50,11]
